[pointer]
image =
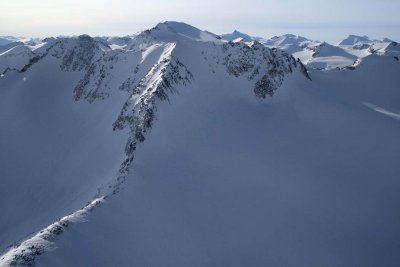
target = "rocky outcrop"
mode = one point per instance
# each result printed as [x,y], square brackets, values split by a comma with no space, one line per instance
[266,66]
[138,113]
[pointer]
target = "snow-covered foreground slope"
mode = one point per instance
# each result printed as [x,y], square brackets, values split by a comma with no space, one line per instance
[220,173]
[307,178]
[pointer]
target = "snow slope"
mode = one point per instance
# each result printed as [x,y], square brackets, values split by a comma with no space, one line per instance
[54,150]
[196,152]
[15,58]
[69,149]
[307,178]
[78,109]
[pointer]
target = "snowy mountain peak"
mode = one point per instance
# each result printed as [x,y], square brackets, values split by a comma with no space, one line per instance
[172,31]
[387,40]
[236,36]
[328,50]
[287,39]
[354,39]
[298,46]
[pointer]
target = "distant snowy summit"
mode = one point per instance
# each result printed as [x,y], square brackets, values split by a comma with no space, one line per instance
[237,36]
[367,46]
[4,40]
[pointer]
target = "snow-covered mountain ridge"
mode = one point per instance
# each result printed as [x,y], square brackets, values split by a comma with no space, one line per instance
[145,69]
[322,55]
[197,151]
[314,54]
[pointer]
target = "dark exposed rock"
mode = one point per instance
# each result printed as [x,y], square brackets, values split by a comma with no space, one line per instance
[257,60]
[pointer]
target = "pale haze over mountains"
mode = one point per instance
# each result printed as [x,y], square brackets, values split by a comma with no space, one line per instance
[178,146]
[320,20]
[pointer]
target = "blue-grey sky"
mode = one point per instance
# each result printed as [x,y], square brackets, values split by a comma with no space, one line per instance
[329,20]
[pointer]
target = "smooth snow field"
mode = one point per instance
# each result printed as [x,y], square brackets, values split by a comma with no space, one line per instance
[308,178]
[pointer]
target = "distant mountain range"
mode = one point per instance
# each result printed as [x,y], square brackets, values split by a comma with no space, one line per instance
[322,55]
[314,54]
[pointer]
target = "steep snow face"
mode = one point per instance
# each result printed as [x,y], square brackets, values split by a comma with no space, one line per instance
[306,178]
[79,110]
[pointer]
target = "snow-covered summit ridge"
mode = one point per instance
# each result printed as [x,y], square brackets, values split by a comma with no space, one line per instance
[341,55]
[172,31]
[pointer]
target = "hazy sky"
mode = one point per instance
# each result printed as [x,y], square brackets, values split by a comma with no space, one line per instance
[330,20]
